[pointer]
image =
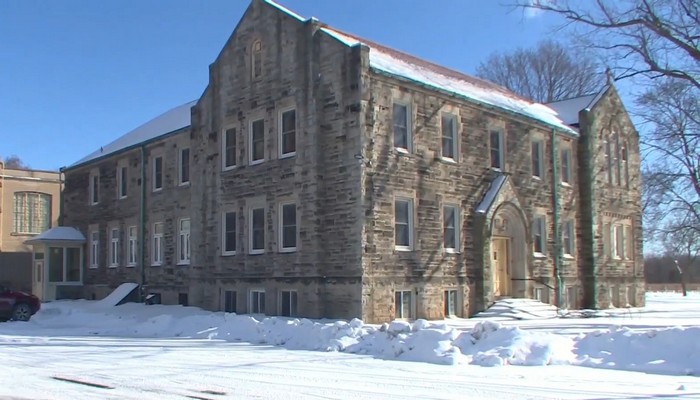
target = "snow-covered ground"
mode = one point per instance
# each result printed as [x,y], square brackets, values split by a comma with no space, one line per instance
[87,349]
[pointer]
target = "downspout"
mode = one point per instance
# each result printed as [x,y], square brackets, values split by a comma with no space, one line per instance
[61,181]
[555,218]
[142,222]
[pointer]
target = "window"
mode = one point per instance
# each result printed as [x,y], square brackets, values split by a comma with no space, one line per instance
[449,136]
[568,237]
[122,180]
[230,301]
[228,144]
[257,302]
[616,159]
[566,166]
[572,297]
[288,303]
[132,247]
[450,303]
[288,142]
[625,167]
[183,299]
[64,264]
[94,249]
[256,59]
[619,241]
[536,156]
[402,131]
[539,231]
[32,212]
[257,231]
[288,225]
[450,228]
[157,173]
[229,234]
[184,166]
[114,247]
[403,224]
[403,304]
[257,141]
[608,161]
[629,243]
[94,188]
[157,251]
[496,149]
[184,242]
[538,294]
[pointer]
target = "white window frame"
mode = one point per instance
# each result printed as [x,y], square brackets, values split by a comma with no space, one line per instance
[281,132]
[539,225]
[251,228]
[157,244]
[447,301]
[113,247]
[568,231]
[629,243]
[501,150]
[457,224]
[409,127]
[251,296]
[537,168]
[225,146]
[452,136]
[31,212]
[410,223]
[180,165]
[132,250]
[289,292]
[399,311]
[618,241]
[281,226]
[183,243]
[225,230]
[154,173]
[94,188]
[122,181]
[566,178]
[250,142]
[94,249]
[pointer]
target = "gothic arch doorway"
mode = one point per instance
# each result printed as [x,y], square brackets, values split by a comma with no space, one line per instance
[508,252]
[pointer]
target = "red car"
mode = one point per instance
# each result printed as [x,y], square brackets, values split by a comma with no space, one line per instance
[17,306]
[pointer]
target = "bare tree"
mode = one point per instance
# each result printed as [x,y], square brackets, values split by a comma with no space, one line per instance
[651,38]
[546,73]
[15,162]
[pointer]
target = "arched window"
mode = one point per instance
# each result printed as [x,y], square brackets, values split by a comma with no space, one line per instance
[32,212]
[608,160]
[624,158]
[616,159]
[256,59]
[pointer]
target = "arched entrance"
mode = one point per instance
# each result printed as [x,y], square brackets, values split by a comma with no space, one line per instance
[508,255]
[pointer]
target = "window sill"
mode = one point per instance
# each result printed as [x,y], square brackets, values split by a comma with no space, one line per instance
[256,162]
[94,267]
[131,265]
[288,155]
[256,252]
[24,233]
[157,265]
[288,250]
[228,253]
[183,264]
[539,255]
[536,178]
[447,160]
[112,266]
[452,251]
[566,185]
[496,169]
[229,168]
[157,190]
[184,184]
[568,257]
[94,204]
[403,248]
[402,151]
[122,197]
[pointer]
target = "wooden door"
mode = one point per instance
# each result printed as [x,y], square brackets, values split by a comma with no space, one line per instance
[499,264]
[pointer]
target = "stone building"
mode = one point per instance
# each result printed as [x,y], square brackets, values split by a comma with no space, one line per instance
[324,175]
[29,205]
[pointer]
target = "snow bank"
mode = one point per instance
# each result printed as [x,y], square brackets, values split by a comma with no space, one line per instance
[488,343]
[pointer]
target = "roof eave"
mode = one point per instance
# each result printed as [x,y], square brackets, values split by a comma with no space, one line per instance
[127,149]
[569,132]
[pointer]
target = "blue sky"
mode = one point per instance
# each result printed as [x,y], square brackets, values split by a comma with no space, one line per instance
[77,74]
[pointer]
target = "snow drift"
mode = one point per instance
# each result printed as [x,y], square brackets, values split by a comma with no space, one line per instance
[488,343]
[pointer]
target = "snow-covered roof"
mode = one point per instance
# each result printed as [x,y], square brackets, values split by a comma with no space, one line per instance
[58,234]
[569,109]
[490,196]
[393,62]
[170,121]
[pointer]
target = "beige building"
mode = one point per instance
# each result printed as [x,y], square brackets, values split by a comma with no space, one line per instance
[29,205]
[325,175]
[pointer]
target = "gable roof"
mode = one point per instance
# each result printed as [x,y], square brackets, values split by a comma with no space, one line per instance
[58,234]
[166,123]
[568,109]
[398,64]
